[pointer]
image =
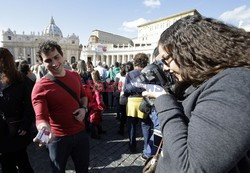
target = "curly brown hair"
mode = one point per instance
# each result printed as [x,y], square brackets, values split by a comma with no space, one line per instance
[202,47]
[141,60]
[48,46]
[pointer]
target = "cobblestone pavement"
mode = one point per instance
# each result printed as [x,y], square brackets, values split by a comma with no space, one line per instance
[109,154]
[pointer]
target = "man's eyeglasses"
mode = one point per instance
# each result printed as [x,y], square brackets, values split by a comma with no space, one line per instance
[167,60]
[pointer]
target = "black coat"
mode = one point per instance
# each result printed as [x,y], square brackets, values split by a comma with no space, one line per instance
[16,113]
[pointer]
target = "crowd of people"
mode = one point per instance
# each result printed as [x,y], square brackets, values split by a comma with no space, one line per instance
[203,118]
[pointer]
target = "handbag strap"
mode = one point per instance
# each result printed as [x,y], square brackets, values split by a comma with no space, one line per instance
[72,93]
[159,148]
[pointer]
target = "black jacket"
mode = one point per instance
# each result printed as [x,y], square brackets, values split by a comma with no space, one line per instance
[16,113]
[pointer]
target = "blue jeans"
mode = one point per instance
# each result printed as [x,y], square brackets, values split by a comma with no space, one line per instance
[146,131]
[132,122]
[76,146]
[154,118]
[150,149]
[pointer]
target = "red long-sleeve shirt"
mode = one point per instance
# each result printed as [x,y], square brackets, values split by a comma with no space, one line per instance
[55,105]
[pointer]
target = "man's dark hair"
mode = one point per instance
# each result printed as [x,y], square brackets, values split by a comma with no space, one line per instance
[48,46]
[202,47]
[117,64]
[24,67]
[141,60]
[89,63]
[123,69]
[129,66]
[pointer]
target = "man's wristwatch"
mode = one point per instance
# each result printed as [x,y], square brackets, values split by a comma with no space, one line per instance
[86,109]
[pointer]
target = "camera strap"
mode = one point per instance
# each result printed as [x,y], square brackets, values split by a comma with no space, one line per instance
[70,91]
[159,147]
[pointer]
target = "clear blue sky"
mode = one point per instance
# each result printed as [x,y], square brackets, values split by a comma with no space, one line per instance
[115,16]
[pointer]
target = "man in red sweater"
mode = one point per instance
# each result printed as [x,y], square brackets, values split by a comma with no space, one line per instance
[59,113]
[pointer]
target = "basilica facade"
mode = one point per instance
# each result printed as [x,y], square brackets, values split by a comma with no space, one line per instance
[25,46]
[102,46]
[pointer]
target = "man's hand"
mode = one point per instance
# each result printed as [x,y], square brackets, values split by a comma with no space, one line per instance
[80,114]
[46,127]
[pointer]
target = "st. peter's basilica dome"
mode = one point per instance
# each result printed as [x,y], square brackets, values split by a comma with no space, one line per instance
[52,29]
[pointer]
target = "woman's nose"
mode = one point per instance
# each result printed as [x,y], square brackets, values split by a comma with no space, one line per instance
[166,68]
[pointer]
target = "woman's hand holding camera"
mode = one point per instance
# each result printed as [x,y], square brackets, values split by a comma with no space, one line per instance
[152,91]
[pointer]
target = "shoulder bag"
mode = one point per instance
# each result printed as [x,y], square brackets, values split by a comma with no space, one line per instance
[151,162]
[72,93]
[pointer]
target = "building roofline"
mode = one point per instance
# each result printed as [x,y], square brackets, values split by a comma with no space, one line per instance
[110,33]
[169,17]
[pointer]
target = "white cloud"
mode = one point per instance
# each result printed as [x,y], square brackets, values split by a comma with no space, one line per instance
[240,13]
[245,26]
[239,16]
[152,3]
[132,25]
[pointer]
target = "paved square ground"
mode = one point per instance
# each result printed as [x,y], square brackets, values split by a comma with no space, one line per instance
[109,154]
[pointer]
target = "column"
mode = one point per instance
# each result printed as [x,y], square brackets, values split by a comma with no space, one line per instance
[94,60]
[113,59]
[16,53]
[24,54]
[102,59]
[124,59]
[119,58]
[108,60]
[34,55]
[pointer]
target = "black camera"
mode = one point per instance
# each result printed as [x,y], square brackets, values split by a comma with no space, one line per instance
[154,74]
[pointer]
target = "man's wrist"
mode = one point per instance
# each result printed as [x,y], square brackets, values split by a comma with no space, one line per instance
[43,125]
[84,107]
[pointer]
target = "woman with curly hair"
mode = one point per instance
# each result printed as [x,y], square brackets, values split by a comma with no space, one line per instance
[209,130]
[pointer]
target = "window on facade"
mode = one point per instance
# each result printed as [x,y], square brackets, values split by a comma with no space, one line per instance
[73,59]
[9,37]
[29,60]
[73,42]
